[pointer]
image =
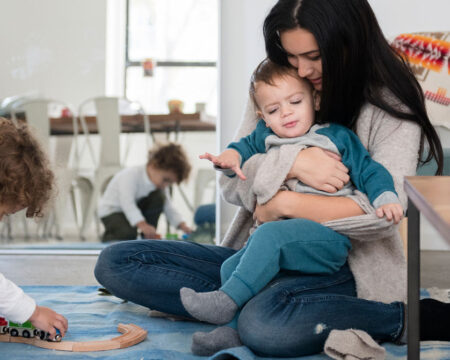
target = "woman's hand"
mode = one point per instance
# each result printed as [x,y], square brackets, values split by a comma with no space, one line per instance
[273,209]
[320,169]
[46,319]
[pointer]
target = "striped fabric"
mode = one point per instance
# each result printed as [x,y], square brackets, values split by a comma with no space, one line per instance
[428,55]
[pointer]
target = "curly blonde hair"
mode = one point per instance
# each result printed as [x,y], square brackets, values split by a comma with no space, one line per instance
[170,157]
[25,175]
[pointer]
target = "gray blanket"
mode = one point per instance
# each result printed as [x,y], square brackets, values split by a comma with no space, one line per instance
[266,173]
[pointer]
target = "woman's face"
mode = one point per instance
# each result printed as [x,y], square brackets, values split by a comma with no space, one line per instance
[303,54]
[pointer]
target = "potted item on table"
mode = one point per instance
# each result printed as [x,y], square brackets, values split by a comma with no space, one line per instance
[175,106]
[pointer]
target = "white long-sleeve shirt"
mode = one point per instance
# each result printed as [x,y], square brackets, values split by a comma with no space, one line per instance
[125,189]
[15,305]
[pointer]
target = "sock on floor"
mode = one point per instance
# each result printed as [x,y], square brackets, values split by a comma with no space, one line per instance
[207,344]
[434,320]
[214,307]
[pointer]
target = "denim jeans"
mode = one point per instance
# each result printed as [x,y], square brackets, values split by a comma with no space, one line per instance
[294,314]
[152,272]
[291,316]
[205,214]
[117,226]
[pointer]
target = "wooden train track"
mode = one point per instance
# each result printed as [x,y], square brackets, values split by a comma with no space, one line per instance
[131,335]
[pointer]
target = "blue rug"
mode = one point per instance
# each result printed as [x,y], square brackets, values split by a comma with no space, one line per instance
[95,317]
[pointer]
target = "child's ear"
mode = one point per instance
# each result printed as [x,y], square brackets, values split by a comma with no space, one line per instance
[316,99]
[260,115]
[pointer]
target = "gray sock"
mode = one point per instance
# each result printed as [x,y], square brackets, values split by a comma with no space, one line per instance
[207,344]
[214,307]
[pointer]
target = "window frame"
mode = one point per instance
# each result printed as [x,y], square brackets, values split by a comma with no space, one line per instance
[159,63]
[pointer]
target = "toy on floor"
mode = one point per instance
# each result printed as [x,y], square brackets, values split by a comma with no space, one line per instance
[131,335]
[26,330]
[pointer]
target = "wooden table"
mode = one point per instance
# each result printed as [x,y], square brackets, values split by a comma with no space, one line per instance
[166,123]
[429,195]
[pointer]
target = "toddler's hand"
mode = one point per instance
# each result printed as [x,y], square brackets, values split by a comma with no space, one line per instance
[391,211]
[148,230]
[183,227]
[46,319]
[229,159]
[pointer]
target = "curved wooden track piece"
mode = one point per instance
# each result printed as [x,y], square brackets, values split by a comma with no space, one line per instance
[131,335]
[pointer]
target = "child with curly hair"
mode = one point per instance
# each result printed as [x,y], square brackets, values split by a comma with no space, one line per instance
[26,181]
[136,196]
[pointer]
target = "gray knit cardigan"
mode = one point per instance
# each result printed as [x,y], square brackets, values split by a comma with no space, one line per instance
[376,259]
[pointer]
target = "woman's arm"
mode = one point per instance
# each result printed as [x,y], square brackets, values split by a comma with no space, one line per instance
[319,208]
[394,144]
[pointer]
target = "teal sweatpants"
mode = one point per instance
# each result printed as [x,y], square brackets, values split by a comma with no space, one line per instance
[294,244]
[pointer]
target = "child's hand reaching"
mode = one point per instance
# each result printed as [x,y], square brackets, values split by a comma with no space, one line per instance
[229,159]
[183,227]
[391,211]
[46,319]
[148,230]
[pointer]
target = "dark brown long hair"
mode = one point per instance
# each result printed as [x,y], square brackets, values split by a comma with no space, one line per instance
[358,65]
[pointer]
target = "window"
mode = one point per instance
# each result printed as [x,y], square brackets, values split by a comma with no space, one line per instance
[181,39]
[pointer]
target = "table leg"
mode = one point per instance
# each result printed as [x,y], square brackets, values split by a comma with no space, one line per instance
[177,130]
[413,314]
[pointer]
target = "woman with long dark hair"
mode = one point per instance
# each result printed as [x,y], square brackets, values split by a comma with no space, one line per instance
[338,46]
[358,66]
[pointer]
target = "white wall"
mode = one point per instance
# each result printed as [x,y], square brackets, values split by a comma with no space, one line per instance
[402,16]
[115,47]
[53,48]
[242,47]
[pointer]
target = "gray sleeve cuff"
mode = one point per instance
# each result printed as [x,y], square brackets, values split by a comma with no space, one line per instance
[388,197]
[228,172]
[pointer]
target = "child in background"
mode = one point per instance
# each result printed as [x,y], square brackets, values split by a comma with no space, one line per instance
[286,104]
[26,181]
[136,196]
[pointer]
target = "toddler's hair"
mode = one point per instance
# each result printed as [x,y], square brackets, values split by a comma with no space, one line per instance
[170,157]
[25,175]
[267,71]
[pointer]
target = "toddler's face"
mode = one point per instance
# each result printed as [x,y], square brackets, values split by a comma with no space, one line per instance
[162,178]
[287,107]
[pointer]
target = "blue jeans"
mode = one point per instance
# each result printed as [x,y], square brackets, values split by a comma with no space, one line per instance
[205,214]
[293,244]
[152,272]
[292,316]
